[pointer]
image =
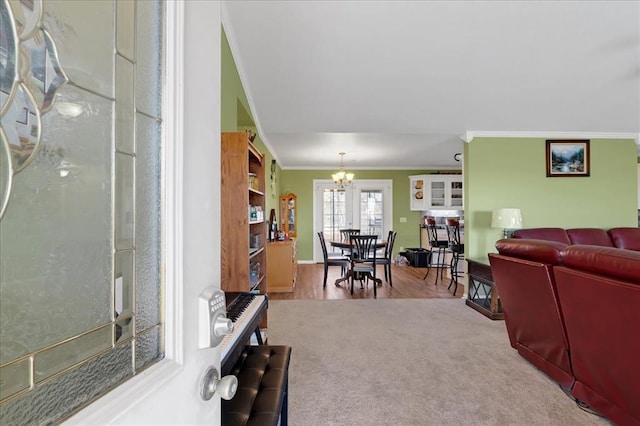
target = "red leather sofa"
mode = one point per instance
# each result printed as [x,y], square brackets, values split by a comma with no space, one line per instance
[572,309]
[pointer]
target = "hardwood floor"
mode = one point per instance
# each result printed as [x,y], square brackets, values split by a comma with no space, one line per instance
[407,283]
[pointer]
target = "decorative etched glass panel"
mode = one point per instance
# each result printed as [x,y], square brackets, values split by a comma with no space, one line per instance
[55,359]
[124,201]
[123,294]
[14,377]
[125,28]
[124,330]
[27,15]
[147,347]
[21,125]
[8,57]
[124,105]
[147,231]
[50,400]
[6,174]
[86,30]
[149,15]
[69,174]
[40,69]
[55,241]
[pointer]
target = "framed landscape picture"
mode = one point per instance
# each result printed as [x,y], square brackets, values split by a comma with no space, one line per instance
[568,158]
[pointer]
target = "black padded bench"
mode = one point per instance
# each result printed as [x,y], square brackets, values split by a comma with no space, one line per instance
[261,398]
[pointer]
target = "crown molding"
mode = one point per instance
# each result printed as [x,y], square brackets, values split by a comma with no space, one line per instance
[469,135]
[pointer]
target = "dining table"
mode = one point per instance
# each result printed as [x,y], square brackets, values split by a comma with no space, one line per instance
[346,245]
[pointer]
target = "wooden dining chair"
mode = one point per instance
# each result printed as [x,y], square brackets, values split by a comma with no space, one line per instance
[333,260]
[387,259]
[363,259]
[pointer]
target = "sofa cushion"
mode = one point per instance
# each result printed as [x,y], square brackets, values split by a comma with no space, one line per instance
[591,236]
[543,251]
[626,238]
[608,261]
[548,234]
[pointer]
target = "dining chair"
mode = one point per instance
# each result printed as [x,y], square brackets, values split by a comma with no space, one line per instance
[438,247]
[332,260]
[363,259]
[387,260]
[347,233]
[456,247]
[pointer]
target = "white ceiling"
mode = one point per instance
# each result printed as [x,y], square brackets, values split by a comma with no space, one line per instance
[396,84]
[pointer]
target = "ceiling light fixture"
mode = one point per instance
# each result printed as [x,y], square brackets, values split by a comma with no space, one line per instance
[342,178]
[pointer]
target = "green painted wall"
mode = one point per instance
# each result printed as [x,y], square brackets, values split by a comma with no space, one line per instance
[502,173]
[236,117]
[300,182]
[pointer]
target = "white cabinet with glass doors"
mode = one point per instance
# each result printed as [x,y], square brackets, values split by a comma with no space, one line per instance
[436,192]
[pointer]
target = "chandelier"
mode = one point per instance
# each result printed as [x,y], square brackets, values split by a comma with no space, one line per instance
[342,178]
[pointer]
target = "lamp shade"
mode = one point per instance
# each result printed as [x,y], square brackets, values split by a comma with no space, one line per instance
[506,219]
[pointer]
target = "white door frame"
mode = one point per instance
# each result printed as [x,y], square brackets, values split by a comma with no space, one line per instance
[353,201]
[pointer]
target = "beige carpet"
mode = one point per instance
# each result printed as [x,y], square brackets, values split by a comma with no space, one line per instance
[410,362]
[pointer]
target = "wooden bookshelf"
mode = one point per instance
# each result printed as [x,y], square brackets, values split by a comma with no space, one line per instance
[243,236]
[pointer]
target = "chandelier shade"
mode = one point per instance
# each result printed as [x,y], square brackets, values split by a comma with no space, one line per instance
[342,178]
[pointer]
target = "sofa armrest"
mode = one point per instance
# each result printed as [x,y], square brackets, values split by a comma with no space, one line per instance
[543,251]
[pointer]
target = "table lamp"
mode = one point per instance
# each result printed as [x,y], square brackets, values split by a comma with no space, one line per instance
[506,219]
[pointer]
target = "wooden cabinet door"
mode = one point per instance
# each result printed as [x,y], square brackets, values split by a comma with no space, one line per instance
[281,266]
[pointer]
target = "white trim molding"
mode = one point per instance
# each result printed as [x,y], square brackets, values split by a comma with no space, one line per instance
[469,135]
[173,99]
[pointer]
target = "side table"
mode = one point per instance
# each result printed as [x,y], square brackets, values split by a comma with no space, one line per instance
[483,294]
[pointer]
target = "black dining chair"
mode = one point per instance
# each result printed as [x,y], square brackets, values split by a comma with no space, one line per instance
[438,250]
[347,233]
[387,260]
[363,259]
[346,237]
[332,260]
[456,247]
